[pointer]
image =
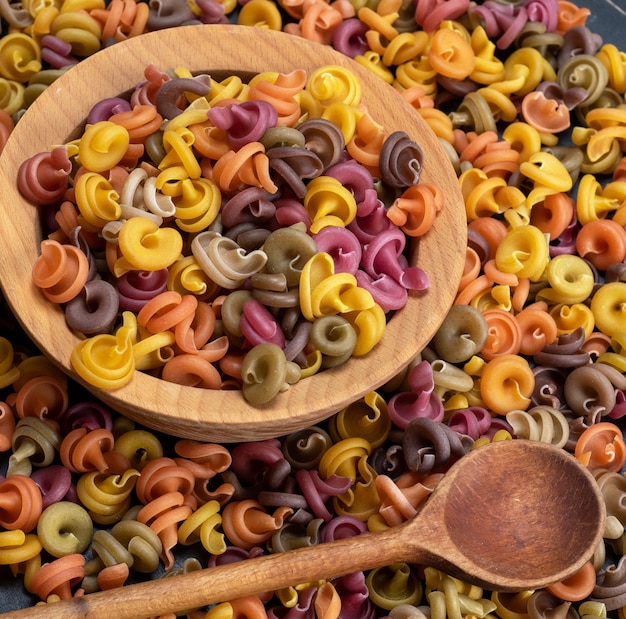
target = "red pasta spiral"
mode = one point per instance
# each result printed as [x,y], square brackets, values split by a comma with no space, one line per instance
[44,177]
[43,397]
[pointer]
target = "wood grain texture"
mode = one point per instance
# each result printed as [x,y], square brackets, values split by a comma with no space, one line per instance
[197,413]
[488,522]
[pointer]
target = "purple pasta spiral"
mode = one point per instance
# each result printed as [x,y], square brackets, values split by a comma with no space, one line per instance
[104,109]
[295,345]
[290,211]
[576,41]
[136,288]
[44,177]
[544,12]
[570,97]
[252,461]
[244,122]
[502,22]
[385,271]
[211,12]
[420,401]
[252,205]
[474,421]
[349,37]
[78,240]
[258,325]
[384,255]
[432,447]
[342,527]
[388,460]
[55,483]
[56,52]
[87,414]
[354,177]
[342,245]
[385,290]
[371,218]
[317,490]
[292,165]
[355,600]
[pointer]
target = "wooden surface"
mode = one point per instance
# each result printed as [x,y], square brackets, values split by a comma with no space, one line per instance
[513,515]
[197,413]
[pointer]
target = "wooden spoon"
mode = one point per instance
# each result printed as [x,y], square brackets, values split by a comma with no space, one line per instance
[512,515]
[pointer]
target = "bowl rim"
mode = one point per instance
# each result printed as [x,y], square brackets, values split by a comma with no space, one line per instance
[190,412]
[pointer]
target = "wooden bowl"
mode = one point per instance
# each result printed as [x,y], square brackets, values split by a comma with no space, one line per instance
[195,413]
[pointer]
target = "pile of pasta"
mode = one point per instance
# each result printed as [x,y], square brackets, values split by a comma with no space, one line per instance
[206,231]
[529,104]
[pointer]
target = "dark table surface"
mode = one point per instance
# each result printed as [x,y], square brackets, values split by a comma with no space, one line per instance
[608,18]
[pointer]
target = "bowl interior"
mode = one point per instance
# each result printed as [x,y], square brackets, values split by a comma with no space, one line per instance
[224,415]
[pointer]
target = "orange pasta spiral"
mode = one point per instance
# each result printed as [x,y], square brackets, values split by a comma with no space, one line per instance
[20,503]
[504,335]
[122,19]
[319,21]
[366,143]
[281,93]
[247,524]
[415,210]
[60,271]
[247,166]
[83,451]
[162,476]
[493,156]
[140,122]
[205,461]
[163,515]
[58,577]
[401,500]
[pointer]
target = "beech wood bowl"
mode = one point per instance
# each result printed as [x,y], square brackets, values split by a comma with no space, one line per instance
[196,413]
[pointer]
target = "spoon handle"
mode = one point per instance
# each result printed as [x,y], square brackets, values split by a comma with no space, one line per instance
[233,580]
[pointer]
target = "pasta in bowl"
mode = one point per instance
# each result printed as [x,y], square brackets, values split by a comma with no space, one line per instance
[260,287]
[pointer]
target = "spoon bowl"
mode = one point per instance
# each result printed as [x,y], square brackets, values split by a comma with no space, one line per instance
[513,515]
[520,499]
